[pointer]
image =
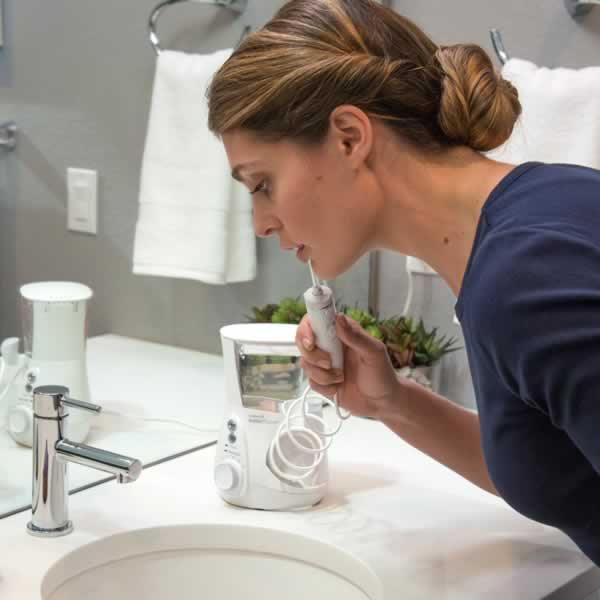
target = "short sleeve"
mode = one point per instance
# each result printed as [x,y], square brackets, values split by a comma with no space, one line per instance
[538,314]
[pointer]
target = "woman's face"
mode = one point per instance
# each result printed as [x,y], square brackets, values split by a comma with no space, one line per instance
[307,195]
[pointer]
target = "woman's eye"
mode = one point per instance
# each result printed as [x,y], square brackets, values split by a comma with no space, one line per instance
[261,187]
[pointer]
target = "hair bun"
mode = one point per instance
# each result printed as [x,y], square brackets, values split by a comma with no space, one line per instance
[478,107]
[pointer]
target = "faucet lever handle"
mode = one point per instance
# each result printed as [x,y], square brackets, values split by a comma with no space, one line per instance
[50,400]
[95,408]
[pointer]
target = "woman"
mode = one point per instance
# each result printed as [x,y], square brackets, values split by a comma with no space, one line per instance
[354,131]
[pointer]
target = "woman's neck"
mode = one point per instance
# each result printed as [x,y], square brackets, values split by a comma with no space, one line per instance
[431,206]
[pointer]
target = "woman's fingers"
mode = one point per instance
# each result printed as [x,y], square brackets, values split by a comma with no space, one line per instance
[322,376]
[312,354]
[329,391]
[353,335]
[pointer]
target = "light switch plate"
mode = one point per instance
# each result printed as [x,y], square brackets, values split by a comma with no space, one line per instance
[82,205]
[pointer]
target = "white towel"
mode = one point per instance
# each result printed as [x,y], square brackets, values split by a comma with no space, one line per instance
[561,115]
[195,220]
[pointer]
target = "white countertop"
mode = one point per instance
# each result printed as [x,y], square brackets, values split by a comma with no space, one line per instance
[428,533]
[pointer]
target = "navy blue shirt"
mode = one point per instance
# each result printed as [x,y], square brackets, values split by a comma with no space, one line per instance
[529,307]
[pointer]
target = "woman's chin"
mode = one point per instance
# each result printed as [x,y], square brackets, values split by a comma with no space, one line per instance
[324,271]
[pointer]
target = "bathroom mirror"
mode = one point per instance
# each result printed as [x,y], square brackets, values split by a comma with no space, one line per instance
[146,412]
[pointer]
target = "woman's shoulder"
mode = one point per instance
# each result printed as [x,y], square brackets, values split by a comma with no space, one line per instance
[567,181]
[536,191]
[530,281]
[550,210]
[571,171]
[535,257]
[541,233]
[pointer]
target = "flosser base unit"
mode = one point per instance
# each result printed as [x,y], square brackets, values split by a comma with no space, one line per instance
[262,375]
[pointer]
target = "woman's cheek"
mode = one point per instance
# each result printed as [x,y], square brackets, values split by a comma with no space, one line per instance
[302,218]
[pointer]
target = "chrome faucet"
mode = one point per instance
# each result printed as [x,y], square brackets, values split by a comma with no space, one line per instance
[51,454]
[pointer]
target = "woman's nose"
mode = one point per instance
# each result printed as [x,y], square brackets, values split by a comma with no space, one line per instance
[264,225]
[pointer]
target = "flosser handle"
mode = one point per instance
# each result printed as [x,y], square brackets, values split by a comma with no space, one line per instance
[321,313]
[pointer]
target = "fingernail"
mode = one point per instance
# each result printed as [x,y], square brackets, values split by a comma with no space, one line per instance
[306,343]
[325,364]
[342,321]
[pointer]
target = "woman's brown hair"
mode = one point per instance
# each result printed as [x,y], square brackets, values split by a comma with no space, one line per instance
[283,81]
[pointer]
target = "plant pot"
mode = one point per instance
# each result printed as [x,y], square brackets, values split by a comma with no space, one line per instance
[426,376]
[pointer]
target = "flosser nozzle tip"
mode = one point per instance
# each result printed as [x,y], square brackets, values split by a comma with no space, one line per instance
[315,279]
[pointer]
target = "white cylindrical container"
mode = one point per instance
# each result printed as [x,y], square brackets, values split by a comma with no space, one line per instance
[54,318]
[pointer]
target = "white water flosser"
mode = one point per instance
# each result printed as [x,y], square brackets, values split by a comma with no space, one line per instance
[320,306]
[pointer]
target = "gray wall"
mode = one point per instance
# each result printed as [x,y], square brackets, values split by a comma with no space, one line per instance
[77,77]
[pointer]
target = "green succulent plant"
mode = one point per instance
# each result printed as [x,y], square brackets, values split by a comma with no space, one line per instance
[262,315]
[364,318]
[430,346]
[408,343]
[289,310]
[412,345]
[398,337]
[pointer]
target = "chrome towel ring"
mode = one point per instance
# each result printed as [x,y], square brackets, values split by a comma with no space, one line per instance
[237,6]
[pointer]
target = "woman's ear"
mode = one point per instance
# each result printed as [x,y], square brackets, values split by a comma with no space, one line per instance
[352,131]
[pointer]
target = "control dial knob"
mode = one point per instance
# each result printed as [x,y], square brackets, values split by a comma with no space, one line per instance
[228,475]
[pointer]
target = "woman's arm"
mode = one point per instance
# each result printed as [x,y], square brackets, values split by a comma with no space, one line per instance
[370,387]
[439,428]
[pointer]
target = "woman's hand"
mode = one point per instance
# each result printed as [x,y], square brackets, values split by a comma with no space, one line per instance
[368,381]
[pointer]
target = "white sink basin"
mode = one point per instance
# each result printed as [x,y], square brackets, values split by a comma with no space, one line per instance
[188,562]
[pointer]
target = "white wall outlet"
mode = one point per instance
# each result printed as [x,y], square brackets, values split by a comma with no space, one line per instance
[415,265]
[82,206]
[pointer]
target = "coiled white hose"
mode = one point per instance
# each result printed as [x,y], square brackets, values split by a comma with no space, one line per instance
[316,438]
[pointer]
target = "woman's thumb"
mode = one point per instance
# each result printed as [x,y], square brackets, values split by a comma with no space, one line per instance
[353,335]
[304,334]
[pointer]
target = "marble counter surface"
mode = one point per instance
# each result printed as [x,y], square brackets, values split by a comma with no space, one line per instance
[427,532]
